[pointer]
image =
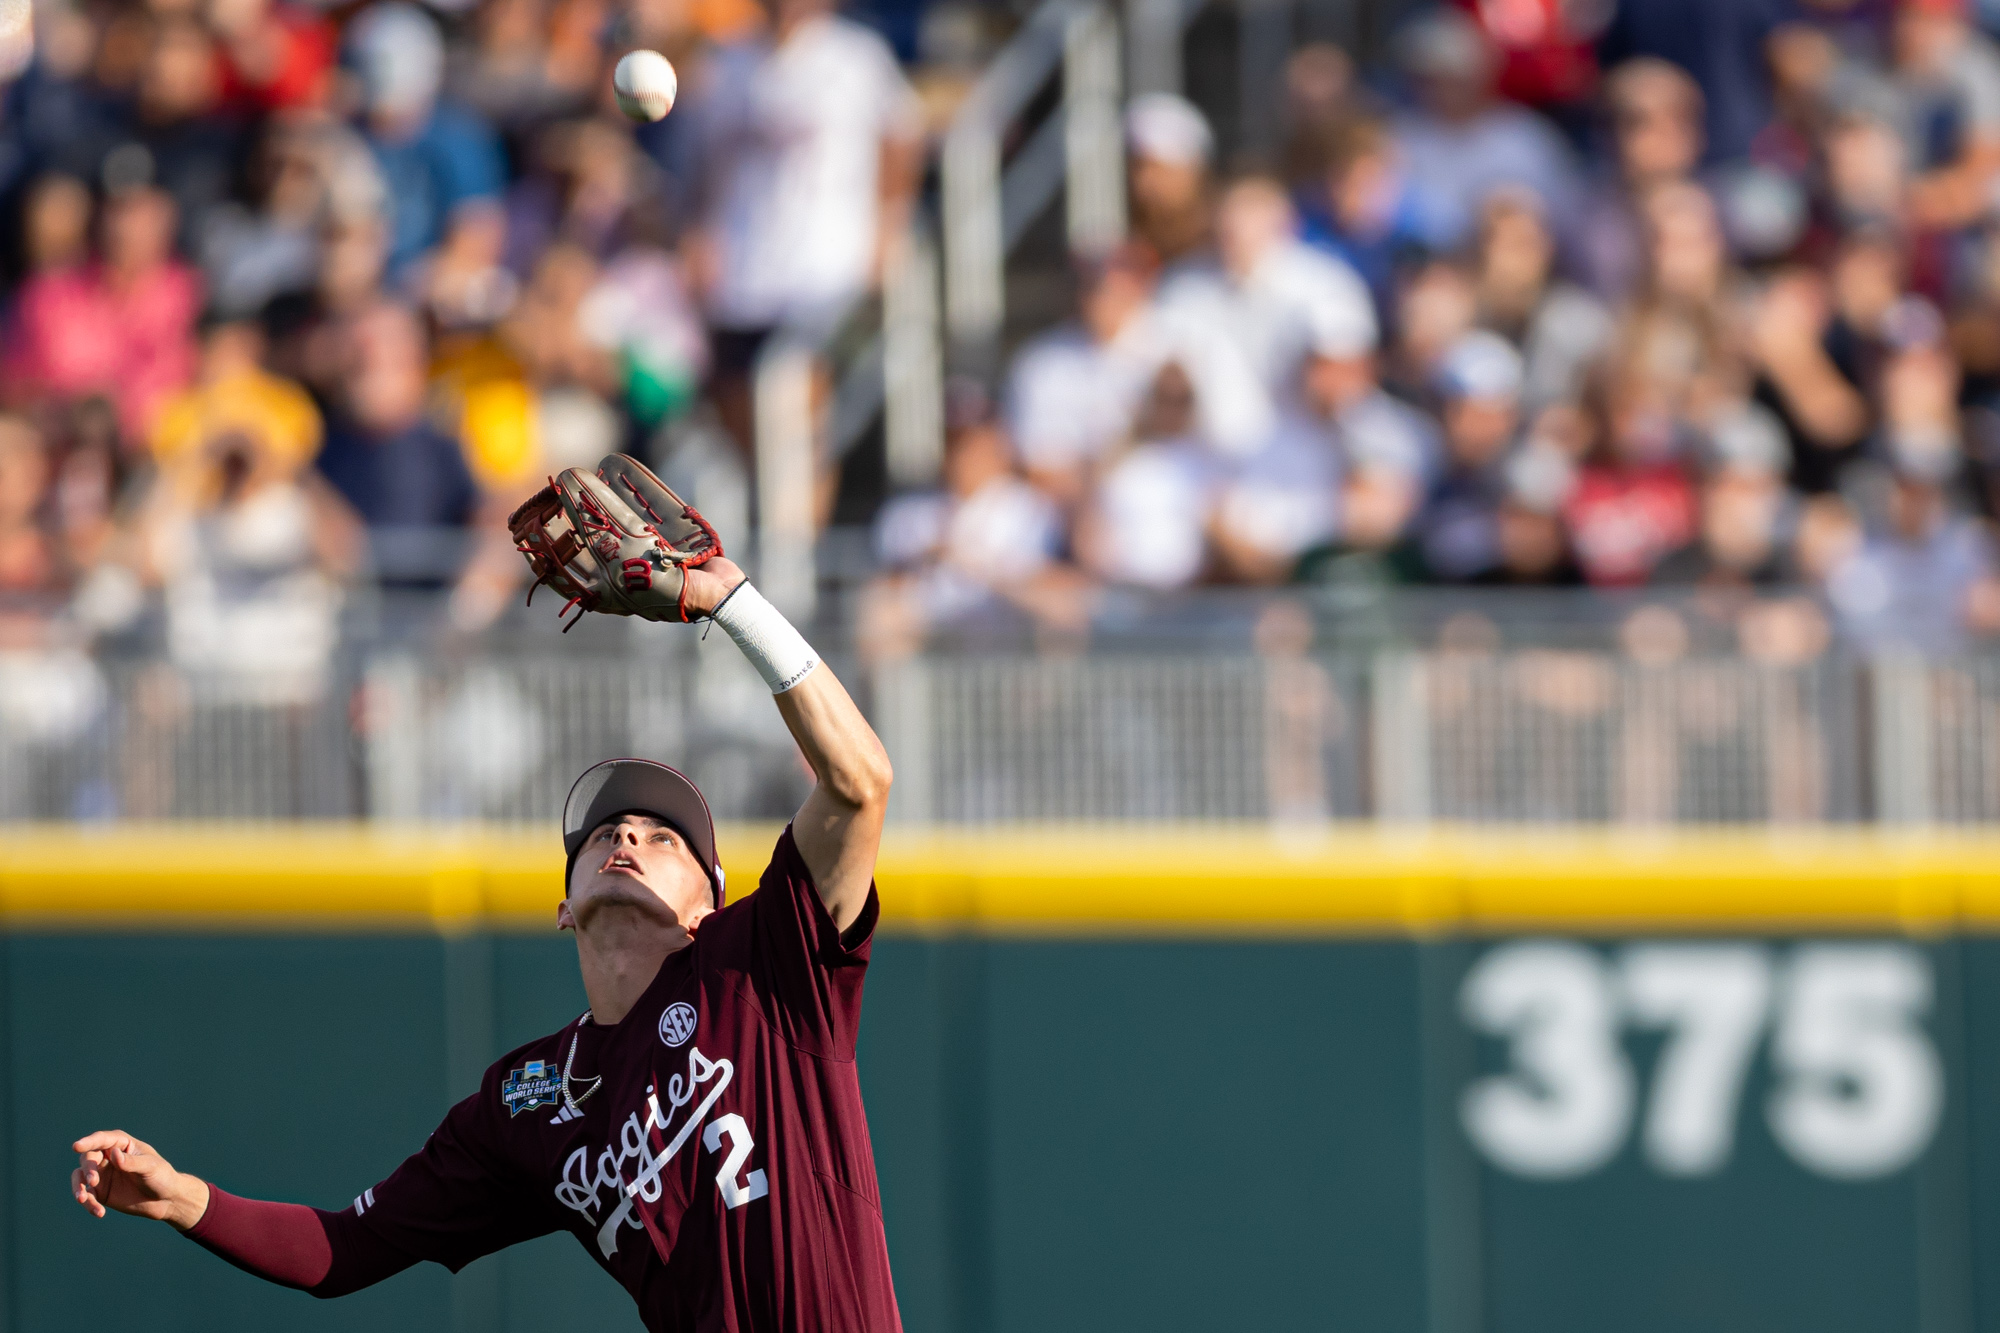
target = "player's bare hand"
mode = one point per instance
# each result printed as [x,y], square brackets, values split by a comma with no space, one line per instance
[121,1174]
[709,584]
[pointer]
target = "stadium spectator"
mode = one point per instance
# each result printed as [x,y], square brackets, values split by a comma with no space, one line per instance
[1344,468]
[404,476]
[1436,304]
[528,63]
[1547,52]
[1916,577]
[1532,543]
[1720,43]
[1146,521]
[251,551]
[641,314]
[234,394]
[1457,533]
[94,483]
[55,225]
[1321,93]
[50,691]
[1169,148]
[1655,110]
[1075,392]
[273,56]
[986,539]
[1459,142]
[1362,205]
[120,325]
[1946,74]
[306,177]
[1634,502]
[809,146]
[33,562]
[1868,165]
[1283,503]
[181,140]
[1560,330]
[1266,292]
[1800,379]
[589,186]
[441,162]
[1389,450]
[1745,509]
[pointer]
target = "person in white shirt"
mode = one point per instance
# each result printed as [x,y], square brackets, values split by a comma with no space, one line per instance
[1266,290]
[986,538]
[1147,520]
[809,143]
[1460,141]
[1073,394]
[1346,465]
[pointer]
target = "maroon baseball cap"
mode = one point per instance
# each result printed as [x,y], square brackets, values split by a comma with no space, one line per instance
[619,786]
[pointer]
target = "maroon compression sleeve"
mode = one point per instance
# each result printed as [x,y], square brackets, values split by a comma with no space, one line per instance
[326,1254]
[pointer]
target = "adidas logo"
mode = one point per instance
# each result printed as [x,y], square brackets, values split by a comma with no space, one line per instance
[565,1115]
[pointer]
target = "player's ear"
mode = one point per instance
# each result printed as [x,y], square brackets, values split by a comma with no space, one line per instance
[565,920]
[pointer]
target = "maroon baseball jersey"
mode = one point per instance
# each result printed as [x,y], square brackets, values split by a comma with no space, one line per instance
[716,1161]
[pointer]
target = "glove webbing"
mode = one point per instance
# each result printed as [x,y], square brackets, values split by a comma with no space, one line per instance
[692,562]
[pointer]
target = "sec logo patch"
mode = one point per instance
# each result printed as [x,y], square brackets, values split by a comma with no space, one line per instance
[677,1023]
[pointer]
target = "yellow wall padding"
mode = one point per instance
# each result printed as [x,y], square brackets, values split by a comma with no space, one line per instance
[1222,880]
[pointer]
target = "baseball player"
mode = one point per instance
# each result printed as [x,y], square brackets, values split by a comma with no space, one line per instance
[699,1128]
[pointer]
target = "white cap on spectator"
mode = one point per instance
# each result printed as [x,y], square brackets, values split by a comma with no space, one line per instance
[1925,453]
[1168,128]
[1540,477]
[399,53]
[1341,330]
[1482,364]
[1748,437]
[1444,43]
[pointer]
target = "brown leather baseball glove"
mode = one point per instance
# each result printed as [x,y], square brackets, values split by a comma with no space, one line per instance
[617,540]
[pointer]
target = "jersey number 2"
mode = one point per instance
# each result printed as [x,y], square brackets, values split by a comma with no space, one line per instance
[755,1185]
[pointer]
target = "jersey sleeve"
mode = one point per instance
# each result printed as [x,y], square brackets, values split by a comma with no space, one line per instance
[810,978]
[308,1249]
[459,1197]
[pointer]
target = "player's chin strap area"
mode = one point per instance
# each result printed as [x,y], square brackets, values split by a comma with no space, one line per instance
[779,652]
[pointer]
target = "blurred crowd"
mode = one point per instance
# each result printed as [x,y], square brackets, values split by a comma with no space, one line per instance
[1685,294]
[1699,295]
[303,299]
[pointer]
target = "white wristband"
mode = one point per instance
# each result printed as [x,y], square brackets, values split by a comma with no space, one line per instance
[779,652]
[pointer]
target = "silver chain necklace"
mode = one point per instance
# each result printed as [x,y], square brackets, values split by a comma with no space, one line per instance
[573,1102]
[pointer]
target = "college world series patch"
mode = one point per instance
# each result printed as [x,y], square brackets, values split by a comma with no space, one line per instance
[537,1083]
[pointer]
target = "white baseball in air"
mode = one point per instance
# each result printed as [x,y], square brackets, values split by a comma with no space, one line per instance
[645,85]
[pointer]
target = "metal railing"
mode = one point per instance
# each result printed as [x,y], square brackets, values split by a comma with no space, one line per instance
[1115,738]
[813,404]
[814,401]
[1543,735]
[990,199]
[1567,736]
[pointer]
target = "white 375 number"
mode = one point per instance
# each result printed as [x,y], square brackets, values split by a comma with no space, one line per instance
[1858,1086]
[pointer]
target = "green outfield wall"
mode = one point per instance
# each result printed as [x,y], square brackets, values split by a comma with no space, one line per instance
[1451,1082]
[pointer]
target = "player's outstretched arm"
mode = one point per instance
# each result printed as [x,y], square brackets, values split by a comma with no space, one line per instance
[321,1253]
[839,828]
